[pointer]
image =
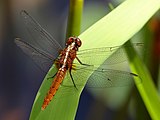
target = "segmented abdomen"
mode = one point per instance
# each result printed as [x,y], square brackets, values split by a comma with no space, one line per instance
[54,87]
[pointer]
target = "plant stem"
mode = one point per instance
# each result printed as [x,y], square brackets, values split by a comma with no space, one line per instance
[74,18]
[146,88]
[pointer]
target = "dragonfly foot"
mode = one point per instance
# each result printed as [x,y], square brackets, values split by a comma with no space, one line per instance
[51,77]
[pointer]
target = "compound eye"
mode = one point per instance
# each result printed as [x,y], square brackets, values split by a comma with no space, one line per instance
[78,42]
[70,40]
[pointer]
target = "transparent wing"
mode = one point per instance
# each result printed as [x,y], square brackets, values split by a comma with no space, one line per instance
[42,59]
[102,77]
[117,54]
[43,40]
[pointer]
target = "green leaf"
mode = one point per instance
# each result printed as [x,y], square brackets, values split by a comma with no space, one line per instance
[119,25]
[61,107]
[112,30]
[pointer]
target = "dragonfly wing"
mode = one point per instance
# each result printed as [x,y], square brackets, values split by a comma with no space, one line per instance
[104,74]
[116,54]
[42,59]
[102,77]
[42,38]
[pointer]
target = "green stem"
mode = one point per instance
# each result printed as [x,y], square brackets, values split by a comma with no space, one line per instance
[146,88]
[74,18]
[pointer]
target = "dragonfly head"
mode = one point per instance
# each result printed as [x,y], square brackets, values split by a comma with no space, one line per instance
[76,40]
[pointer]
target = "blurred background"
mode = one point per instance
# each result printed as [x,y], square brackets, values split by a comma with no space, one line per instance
[20,78]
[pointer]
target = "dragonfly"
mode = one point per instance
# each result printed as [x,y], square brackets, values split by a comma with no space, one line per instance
[46,51]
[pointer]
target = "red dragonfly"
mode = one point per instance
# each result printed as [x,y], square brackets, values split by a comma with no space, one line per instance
[47,51]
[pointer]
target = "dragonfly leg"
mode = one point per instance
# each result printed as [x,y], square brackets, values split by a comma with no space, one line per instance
[52,76]
[72,79]
[81,62]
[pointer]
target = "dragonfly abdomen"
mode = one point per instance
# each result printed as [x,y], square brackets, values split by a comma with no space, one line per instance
[54,87]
